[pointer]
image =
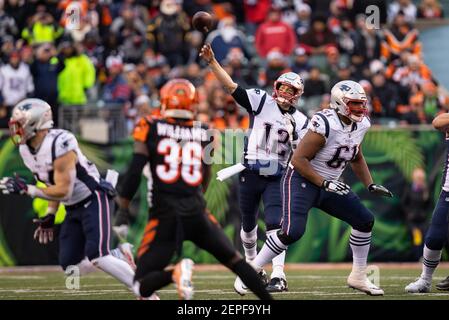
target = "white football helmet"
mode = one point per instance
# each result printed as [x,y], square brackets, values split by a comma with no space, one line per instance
[29,116]
[349,91]
[291,79]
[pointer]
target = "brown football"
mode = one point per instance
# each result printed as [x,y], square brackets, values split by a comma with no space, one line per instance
[202,21]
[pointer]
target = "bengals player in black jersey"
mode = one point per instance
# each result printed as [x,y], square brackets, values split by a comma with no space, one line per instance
[174,147]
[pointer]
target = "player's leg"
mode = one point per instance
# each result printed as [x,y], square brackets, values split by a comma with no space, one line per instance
[298,196]
[350,209]
[96,220]
[250,185]
[273,221]
[71,244]
[206,233]
[155,252]
[435,240]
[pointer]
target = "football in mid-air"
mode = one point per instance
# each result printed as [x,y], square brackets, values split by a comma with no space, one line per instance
[202,21]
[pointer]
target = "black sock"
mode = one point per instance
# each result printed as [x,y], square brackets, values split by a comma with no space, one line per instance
[154,281]
[251,279]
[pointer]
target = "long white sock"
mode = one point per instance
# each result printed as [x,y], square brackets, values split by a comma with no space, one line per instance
[117,268]
[249,241]
[85,267]
[360,243]
[278,261]
[271,248]
[430,263]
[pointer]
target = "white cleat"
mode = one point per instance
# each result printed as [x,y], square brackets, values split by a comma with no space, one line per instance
[419,286]
[240,287]
[359,281]
[126,249]
[182,277]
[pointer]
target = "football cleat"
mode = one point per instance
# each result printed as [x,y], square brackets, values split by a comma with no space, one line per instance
[277,285]
[242,289]
[182,277]
[126,249]
[443,285]
[136,290]
[359,281]
[419,286]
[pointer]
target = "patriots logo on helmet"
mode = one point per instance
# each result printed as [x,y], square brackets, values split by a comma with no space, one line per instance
[344,87]
[25,107]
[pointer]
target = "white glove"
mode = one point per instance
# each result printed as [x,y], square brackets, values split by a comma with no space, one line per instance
[336,186]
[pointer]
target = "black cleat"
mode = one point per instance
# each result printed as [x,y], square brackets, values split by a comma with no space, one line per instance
[443,284]
[277,285]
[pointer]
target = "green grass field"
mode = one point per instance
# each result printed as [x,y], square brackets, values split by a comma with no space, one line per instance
[317,281]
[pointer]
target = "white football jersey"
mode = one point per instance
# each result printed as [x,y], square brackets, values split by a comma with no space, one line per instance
[272,134]
[56,144]
[15,84]
[342,142]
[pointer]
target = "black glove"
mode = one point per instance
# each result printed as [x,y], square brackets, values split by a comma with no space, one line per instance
[380,190]
[44,231]
[336,186]
[13,185]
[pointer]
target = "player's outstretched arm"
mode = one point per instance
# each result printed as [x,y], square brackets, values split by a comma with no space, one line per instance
[133,175]
[208,55]
[360,168]
[441,122]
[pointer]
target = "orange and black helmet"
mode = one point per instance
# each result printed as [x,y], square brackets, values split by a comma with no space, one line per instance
[178,99]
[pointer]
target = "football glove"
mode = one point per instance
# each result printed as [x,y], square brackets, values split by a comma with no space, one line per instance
[380,190]
[336,186]
[13,185]
[44,231]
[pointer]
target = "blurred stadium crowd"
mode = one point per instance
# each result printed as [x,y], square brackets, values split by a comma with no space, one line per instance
[124,51]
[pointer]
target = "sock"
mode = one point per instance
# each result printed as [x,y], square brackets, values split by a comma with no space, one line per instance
[251,279]
[278,266]
[85,267]
[430,263]
[360,243]
[249,241]
[154,281]
[271,248]
[117,268]
[278,262]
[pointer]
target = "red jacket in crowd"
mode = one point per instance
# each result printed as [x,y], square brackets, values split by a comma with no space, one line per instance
[275,34]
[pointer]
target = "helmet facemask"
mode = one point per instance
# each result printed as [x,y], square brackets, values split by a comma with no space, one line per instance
[17,132]
[284,97]
[355,113]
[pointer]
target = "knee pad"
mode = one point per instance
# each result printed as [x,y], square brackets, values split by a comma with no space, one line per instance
[289,239]
[365,227]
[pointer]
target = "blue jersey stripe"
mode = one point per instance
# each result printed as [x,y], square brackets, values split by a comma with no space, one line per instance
[326,123]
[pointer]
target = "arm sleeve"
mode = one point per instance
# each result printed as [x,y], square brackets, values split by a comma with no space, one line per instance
[251,99]
[131,181]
